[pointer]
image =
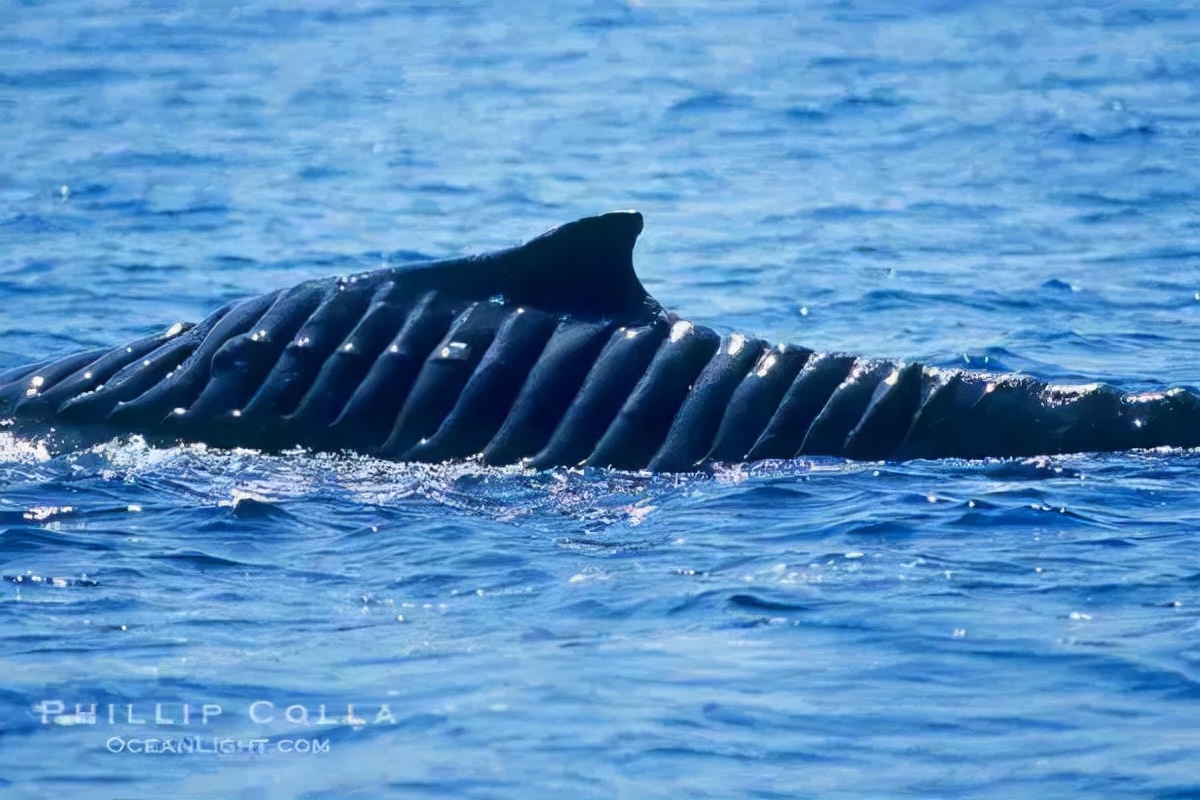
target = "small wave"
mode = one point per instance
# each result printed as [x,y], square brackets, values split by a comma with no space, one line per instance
[710,102]
[19,450]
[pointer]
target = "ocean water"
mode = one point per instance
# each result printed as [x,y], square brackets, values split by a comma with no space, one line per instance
[1008,186]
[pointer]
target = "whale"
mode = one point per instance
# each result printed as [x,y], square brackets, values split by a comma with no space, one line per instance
[553,354]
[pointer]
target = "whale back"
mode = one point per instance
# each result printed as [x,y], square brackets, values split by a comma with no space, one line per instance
[551,354]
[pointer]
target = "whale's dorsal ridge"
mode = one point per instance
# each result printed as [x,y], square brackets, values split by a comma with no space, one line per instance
[551,353]
[583,268]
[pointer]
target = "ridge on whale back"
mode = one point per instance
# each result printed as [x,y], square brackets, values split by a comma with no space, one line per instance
[552,353]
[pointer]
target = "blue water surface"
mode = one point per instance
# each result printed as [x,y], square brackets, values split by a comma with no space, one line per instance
[1008,186]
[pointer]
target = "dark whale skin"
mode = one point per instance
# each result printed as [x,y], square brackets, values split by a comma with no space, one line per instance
[553,354]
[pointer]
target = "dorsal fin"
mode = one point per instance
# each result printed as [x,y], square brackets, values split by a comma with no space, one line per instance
[583,267]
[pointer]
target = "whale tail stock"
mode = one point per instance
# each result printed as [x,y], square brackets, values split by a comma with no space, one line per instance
[552,353]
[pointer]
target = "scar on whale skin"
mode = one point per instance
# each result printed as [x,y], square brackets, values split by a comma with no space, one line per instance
[550,354]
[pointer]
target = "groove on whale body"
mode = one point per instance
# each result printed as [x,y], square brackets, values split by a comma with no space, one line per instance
[553,354]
